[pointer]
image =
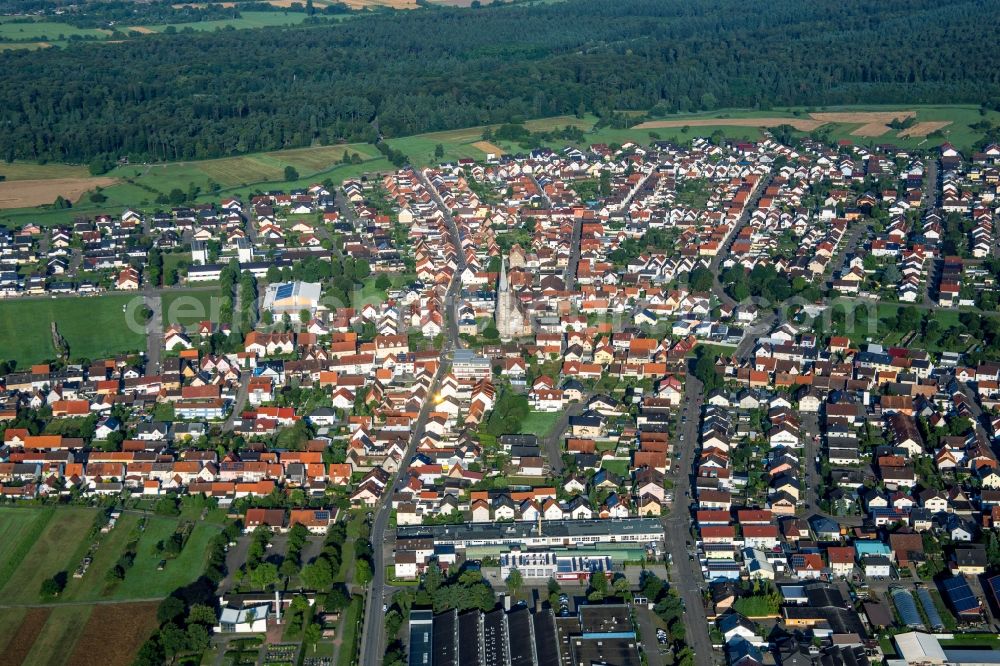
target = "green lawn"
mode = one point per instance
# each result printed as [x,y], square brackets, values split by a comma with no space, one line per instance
[143,580]
[539,423]
[14,29]
[94,327]
[972,641]
[348,630]
[618,467]
[246,20]
[93,585]
[59,547]
[190,307]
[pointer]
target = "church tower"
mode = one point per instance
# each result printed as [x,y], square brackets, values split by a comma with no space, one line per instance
[510,320]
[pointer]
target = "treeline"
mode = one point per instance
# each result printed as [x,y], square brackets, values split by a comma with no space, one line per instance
[174,97]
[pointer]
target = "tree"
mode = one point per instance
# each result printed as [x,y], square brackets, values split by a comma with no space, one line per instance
[598,586]
[312,634]
[304,316]
[701,279]
[383,282]
[291,173]
[362,269]
[267,318]
[438,151]
[514,582]
[264,575]
[318,575]
[170,609]
[53,587]
[622,587]
[174,639]
[201,614]
[362,572]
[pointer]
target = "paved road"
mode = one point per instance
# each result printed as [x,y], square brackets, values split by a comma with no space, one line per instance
[245,373]
[727,243]
[552,440]
[373,628]
[154,330]
[686,576]
[929,202]
[850,244]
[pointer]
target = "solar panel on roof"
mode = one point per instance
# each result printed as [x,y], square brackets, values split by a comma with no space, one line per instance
[960,595]
[284,291]
[322,515]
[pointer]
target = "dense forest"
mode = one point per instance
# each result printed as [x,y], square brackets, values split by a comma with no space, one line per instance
[168,97]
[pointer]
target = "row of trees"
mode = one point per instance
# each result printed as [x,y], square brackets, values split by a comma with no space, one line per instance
[175,97]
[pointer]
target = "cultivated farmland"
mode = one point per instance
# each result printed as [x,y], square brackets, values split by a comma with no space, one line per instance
[20,644]
[132,625]
[26,193]
[57,548]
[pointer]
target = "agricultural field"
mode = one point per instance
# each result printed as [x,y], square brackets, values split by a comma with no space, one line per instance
[75,635]
[245,20]
[138,185]
[31,171]
[19,529]
[134,622]
[28,193]
[62,629]
[25,332]
[867,124]
[16,29]
[58,547]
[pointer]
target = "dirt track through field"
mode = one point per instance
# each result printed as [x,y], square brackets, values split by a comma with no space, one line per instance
[29,193]
[801,124]
[924,128]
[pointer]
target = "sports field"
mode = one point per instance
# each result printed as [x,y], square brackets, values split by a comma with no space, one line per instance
[94,327]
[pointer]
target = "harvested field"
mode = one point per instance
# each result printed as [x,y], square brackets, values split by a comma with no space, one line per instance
[871,129]
[488,147]
[142,30]
[862,117]
[20,645]
[798,123]
[29,193]
[131,624]
[924,128]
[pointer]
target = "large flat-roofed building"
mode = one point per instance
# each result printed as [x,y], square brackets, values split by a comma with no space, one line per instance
[497,638]
[468,365]
[553,533]
[421,638]
[292,297]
